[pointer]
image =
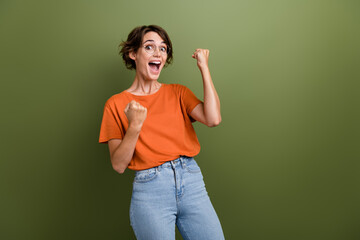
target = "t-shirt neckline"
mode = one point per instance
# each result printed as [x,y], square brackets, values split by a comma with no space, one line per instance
[148,95]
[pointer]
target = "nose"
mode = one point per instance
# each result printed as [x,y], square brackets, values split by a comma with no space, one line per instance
[157,51]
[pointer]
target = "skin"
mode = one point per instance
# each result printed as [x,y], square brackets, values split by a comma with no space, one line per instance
[145,83]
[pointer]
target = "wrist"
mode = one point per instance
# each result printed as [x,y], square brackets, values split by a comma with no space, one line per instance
[135,128]
[203,68]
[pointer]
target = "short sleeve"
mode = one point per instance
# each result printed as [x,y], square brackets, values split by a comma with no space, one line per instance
[111,126]
[189,100]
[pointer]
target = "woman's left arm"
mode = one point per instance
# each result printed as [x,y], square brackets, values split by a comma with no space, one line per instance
[208,112]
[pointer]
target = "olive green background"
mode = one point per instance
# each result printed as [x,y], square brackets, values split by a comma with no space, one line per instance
[282,165]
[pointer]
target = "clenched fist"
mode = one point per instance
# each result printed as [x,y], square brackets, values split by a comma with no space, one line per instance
[136,114]
[202,57]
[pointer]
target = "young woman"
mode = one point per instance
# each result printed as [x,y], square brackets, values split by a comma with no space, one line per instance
[148,128]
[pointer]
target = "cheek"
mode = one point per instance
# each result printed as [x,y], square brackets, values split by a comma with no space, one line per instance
[142,61]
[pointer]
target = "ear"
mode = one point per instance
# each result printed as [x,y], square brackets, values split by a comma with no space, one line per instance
[132,55]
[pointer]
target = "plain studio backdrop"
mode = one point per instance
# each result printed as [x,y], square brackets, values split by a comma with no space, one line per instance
[282,165]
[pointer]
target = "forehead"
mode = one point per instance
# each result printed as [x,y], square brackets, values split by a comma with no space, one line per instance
[153,36]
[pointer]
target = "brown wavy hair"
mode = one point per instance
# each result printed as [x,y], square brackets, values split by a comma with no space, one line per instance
[134,42]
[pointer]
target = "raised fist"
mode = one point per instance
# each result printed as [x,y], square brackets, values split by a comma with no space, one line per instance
[202,57]
[135,113]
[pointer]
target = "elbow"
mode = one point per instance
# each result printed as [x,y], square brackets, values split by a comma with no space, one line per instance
[118,169]
[214,123]
[117,164]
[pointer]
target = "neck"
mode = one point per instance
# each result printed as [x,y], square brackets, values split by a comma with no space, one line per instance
[144,87]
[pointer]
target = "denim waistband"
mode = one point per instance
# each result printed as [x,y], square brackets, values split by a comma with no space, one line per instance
[182,160]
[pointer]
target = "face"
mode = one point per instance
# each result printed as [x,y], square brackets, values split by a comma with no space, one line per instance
[151,57]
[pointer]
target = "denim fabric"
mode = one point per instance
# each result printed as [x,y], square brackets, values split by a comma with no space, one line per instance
[173,193]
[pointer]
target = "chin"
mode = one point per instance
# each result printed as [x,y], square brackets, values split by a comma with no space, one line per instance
[153,77]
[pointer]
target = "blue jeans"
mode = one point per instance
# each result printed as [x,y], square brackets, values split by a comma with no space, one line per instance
[173,193]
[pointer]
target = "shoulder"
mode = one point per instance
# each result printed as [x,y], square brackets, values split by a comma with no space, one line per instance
[179,88]
[116,99]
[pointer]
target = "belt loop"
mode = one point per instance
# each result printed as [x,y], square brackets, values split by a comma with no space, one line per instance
[172,164]
[183,162]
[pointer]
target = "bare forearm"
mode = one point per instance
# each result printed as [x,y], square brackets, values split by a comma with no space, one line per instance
[211,99]
[123,154]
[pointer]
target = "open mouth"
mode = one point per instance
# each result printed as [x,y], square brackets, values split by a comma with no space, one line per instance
[155,65]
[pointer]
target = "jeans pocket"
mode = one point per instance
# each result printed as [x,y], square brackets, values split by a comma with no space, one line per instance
[192,166]
[146,175]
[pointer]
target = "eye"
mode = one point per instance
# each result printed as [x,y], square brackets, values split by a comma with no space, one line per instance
[163,49]
[149,47]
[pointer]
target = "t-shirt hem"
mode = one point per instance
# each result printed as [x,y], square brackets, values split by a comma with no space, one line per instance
[105,140]
[134,168]
[193,106]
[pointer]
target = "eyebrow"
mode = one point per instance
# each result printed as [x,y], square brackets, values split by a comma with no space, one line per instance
[153,41]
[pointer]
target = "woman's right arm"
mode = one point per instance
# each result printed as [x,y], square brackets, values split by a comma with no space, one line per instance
[122,150]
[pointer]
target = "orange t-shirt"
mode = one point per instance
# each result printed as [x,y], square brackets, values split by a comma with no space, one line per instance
[167,132]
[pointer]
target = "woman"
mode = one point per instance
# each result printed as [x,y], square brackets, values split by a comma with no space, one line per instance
[148,128]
